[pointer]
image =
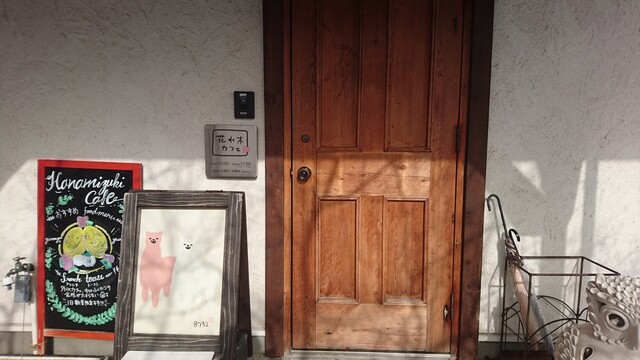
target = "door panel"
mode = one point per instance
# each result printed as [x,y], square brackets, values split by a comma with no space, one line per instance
[410,33]
[375,103]
[337,223]
[339,80]
[404,248]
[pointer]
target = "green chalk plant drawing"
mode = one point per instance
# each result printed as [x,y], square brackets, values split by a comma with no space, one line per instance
[97,319]
[48,258]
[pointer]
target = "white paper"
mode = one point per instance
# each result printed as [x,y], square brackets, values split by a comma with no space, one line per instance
[195,239]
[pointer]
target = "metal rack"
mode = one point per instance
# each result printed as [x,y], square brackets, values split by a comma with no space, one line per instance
[530,325]
[560,313]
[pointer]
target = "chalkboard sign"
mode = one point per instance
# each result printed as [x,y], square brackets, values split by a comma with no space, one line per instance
[80,212]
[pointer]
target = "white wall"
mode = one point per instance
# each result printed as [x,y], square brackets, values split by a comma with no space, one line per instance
[563,150]
[121,80]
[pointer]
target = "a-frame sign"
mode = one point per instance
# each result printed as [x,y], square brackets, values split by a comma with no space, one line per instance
[184,281]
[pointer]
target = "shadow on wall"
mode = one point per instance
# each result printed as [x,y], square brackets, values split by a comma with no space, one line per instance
[563,153]
[559,212]
[16,342]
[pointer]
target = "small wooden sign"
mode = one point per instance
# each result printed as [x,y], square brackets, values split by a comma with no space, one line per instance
[184,275]
[80,211]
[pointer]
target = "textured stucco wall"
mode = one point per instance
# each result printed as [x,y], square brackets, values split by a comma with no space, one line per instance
[563,150]
[121,80]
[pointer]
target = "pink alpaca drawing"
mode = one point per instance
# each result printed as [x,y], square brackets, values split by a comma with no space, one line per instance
[156,271]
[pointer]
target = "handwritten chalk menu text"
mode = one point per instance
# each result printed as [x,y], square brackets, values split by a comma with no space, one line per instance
[231,151]
[81,206]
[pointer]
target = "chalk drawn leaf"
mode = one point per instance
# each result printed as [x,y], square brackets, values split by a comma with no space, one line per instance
[98,319]
[48,258]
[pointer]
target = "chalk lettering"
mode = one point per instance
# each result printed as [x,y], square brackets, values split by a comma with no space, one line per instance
[91,279]
[104,214]
[57,239]
[102,197]
[70,279]
[55,182]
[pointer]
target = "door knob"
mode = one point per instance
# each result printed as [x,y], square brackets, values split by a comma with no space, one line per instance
[304,173]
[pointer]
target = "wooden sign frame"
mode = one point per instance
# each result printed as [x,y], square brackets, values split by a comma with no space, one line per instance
[175,207]
[67,191]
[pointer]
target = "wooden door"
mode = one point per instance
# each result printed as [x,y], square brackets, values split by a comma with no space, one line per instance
[376,89]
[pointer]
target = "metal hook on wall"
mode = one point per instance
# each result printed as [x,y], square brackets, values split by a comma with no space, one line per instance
[504,224]
[510,234]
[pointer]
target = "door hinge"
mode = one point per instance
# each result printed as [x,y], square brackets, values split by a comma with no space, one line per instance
[448,309]
[458,138]
[452,300]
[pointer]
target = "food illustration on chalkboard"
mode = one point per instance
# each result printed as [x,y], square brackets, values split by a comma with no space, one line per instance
[156,271]
[82,259]
[83,245]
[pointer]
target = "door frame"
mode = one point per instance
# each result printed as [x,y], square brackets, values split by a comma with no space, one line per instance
[477,27]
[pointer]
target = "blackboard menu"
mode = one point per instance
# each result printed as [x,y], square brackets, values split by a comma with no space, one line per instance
[80,214]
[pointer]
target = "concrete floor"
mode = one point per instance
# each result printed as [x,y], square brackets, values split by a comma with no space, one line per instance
[331,355]
[18,342]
